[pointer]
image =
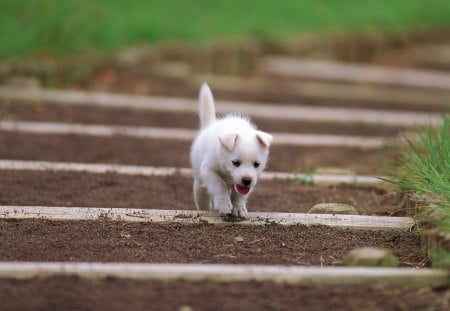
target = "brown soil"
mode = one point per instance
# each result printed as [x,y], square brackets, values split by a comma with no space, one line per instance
[273,89]
[108,241]
[286,90]
[119,149]
[116,241]
[175,192]
[74,293]
[41,111]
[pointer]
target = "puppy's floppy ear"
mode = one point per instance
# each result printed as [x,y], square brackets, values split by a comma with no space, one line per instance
[228,141]
[264,139]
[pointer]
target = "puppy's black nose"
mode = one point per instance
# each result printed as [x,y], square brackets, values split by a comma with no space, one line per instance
[246,181]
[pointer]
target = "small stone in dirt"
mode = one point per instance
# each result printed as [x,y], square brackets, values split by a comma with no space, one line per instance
[371,257]
[124,234]
[231,218]
[333,208]
[185,308]
[239,239]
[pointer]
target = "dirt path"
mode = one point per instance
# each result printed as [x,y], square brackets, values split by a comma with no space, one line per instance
[124,150]
[106,241]
[42,111]
[175,192]
[73,293]
[115,241]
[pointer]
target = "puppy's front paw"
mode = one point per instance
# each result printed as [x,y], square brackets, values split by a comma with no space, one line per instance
[224,206]
[240,211]
[243,211]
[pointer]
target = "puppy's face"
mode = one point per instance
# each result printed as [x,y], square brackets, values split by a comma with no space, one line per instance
[244,157]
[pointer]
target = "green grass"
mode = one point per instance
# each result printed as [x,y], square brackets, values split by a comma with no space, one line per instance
[64,26]
[424,171]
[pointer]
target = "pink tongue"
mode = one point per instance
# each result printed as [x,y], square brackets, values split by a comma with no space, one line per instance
[242,189]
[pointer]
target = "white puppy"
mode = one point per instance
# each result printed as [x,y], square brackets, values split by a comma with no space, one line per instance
[227,157]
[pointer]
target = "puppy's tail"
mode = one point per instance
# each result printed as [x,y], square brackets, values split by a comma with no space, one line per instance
[206,109]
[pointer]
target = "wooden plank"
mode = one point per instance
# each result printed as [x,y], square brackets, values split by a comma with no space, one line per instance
[274,111]
[328,70]
[136,170]
[93,168]
[192,216]
[180,134]
[229,273]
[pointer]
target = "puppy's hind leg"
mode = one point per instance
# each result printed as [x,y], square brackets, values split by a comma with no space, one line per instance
[201,197]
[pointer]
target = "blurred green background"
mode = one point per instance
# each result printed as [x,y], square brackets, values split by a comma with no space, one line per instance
[58,27]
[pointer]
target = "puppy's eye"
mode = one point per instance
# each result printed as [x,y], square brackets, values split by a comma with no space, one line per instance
[256,164]
[236,163]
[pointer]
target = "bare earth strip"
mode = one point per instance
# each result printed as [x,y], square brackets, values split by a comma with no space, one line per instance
[320,179]
[55,128]
[174,192]
[334,93]
[357,73]
[33,111]
[103,240]
[157,152]
[275,111]
[78,293]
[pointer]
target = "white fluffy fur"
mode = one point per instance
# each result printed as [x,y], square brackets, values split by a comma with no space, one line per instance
[227,157]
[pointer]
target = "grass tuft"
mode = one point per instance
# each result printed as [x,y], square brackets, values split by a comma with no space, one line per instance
[424,172]
[425,168]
